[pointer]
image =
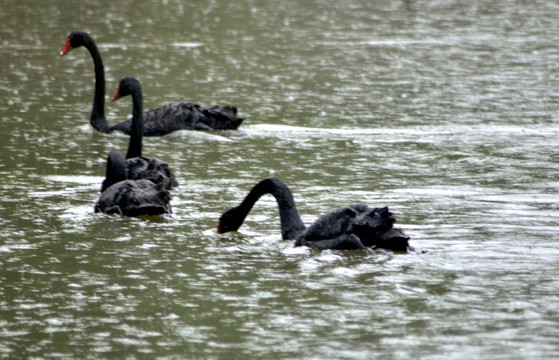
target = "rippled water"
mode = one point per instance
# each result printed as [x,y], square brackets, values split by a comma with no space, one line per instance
[444,110]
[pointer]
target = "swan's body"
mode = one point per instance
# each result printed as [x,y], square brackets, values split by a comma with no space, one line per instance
[130,197]
[137,185]
[159,121]
[140,167]
[356,227]
[134,198]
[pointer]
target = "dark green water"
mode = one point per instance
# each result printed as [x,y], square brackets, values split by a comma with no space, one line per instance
[447,111]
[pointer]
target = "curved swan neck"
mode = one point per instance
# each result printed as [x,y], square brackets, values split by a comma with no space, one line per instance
[291,223]
[137,128]
[98,120]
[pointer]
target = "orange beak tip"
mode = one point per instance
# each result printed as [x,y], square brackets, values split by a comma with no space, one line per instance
[67,48]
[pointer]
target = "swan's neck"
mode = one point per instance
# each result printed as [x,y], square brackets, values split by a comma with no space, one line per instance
[98,120]
[291,223]
[116,170]
[137,128]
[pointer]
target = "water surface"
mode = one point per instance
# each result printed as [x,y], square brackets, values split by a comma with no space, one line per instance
[443,110]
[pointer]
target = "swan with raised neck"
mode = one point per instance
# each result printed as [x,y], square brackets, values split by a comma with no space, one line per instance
[136,166]
[158,121]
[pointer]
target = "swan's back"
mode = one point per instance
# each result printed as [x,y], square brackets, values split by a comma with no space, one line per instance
[184,116]
[134,198]
[154,170]
[170,117]
[331,225]
[373,227]
[189,116]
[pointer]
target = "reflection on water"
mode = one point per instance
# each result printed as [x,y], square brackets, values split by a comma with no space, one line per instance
[445,111]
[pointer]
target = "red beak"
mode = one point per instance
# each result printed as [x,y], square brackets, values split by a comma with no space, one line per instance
[67,48]
[117,95]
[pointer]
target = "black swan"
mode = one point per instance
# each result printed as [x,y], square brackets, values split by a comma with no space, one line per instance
[356,227]
[130,197]
[137,185]
[159,121]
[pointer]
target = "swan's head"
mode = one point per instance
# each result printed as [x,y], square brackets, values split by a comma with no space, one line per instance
[75,39]
[230,220]
[126,86]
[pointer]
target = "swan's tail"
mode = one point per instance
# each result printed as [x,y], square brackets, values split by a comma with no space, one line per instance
[220,117]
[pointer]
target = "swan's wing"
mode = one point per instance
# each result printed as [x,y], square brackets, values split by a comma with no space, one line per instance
[164,119]
[355,227]
[171,117]
[331,225]
[152,169]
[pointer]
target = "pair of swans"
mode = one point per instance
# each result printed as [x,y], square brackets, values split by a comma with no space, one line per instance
[158,121]
[140,186]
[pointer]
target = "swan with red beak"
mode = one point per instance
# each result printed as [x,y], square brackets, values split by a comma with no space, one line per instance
[356,227]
